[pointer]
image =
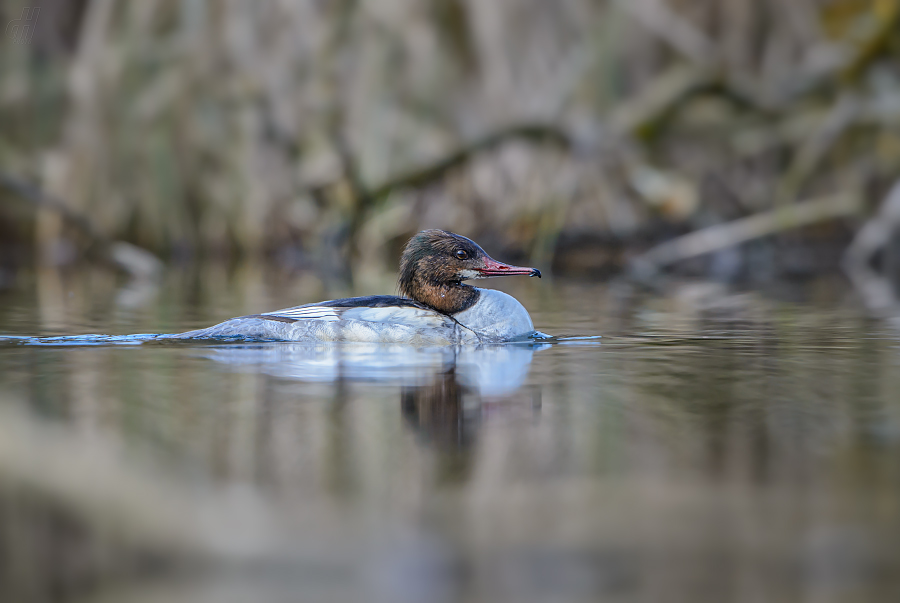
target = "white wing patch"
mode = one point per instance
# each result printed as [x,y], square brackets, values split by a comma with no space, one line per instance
[307,313]
[396,315]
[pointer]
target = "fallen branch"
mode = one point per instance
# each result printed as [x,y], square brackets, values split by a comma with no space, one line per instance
[723,236]
[434,171]
[876,45]
[845,110]
[645,114]
[367,199]
[877,290]
[669,26]
[136,261]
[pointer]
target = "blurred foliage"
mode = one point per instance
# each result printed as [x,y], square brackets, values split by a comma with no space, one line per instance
[322,133]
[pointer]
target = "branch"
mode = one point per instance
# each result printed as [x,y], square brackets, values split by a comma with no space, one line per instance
[645,114]
[429,173]
[875,45]
[669,26]
[723,236]
[138,262]
[845,110]
[876,234]
[30,192]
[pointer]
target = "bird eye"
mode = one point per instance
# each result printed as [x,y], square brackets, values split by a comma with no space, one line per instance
[461,254]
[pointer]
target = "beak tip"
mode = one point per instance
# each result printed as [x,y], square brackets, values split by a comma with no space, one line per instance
[536,272]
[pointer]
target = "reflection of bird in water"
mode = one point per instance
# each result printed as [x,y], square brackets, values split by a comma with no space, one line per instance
[486,370]
[437,413]
[447,413]
[443,390]
[436,410]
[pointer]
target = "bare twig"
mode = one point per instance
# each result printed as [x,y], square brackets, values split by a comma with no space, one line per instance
[723,236]
[645,114]
[32,193]
[877,291]
[434,171]
[657,17]
[845,110]
[136,261]
[336,119]
[876,44]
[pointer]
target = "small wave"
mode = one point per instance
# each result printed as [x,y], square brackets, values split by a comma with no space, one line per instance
[544,338]
[534,338]
[77,340]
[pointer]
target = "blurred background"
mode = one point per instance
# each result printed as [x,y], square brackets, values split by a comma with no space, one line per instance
[712,185]
[574,135]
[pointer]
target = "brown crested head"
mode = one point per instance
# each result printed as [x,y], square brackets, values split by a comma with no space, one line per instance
[434,264]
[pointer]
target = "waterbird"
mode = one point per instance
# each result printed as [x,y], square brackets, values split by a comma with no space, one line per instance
[435,306]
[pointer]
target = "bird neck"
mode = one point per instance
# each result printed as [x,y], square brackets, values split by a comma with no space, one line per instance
[445,297]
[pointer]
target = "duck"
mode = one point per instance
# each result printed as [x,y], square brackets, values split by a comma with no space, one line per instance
[435,307]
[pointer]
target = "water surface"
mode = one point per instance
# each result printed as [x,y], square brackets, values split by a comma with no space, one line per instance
[717,445]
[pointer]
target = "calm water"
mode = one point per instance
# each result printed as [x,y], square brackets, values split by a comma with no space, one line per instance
[716,446]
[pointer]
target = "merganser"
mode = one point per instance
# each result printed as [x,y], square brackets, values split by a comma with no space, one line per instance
[436,308]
